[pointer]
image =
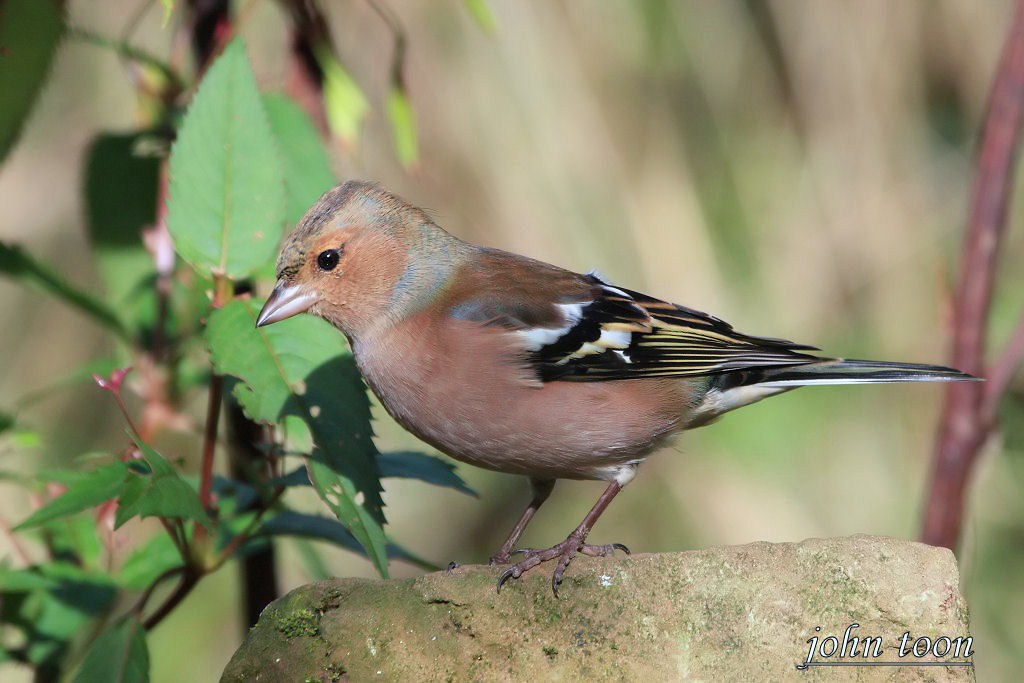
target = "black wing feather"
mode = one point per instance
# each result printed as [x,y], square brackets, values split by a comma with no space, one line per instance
[664,340]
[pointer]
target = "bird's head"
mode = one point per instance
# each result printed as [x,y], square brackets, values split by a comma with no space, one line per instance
[360,258]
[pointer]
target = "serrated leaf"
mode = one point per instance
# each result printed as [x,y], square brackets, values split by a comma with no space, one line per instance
[341,497]
[301,368]
[428,468]
[19,266]
[118,655]
[227,200]
[344,101]
[88,491]
[403,127]
[121,198]
[160,493]
[30,31]
[307,167]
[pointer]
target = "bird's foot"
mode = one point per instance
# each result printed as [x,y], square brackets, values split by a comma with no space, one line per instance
[499,557]
[564,551]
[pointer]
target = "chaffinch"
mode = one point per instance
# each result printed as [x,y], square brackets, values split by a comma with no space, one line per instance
[519,366]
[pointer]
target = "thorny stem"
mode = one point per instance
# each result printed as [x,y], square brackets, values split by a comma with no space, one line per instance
[969,416]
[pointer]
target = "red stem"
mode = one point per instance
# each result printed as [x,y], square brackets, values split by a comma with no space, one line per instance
[222,293]
[966,422]
[210,441]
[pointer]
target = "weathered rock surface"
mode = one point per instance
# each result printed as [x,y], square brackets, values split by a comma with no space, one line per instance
[732,613]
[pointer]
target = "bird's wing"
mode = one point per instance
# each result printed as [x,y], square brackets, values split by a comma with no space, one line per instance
[585,329]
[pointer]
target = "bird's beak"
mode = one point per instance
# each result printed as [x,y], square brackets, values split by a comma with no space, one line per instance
[284,302]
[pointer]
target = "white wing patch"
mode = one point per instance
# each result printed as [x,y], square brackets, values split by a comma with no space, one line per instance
[537,338]
[616,340]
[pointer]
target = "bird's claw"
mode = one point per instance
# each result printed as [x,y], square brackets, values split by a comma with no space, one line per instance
[603,550]
[564,551]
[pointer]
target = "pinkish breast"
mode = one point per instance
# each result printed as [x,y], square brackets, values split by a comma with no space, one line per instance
[467,391]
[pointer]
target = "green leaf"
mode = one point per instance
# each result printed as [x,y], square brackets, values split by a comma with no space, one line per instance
[300,368]
[58,612]
[344,101]
[403,127]
[227,198]
[118,655]
[481,13]
[159,493]
[22,580]
[90,490]
[149,561]
[75,539]
[428,468]
[342,498]
[18,265]
[30,31]
[307,167]
[315,527]
[121,189]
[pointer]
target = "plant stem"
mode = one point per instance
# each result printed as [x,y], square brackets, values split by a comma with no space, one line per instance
[189,578]
[141,604]
[126,51]
[228,550]
[210,441]
[222,293]
[968,417]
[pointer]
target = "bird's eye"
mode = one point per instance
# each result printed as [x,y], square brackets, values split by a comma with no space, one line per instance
[327,260]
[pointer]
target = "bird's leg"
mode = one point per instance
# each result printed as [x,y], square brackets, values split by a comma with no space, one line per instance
[541,490]
[567,549]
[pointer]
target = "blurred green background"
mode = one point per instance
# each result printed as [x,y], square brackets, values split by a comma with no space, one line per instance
[800,169]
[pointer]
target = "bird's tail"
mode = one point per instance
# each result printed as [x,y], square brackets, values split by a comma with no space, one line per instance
[841,371]
[730,390]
